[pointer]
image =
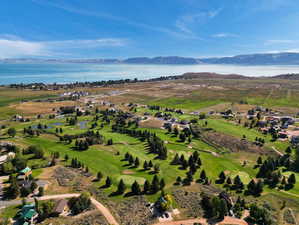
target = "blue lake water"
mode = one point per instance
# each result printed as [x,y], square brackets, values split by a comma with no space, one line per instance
[66,73]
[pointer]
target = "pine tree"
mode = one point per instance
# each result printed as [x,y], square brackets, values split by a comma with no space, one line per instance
[145,165]
[157,168]
[222,177]
[176,160]
[146,187]
[259,161]
[292,179]
[155,185]
[150,164]
[203,175]
[108,182]
[162,184]
[136,188]
[99,176]
[178,179]
[136,162]
[121,187]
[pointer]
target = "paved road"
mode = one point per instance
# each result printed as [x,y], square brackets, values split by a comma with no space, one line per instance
[105,211]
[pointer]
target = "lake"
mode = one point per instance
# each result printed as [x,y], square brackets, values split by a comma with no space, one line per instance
[66,73]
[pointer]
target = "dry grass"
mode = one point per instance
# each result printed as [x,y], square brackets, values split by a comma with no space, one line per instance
[151,123]
[33,108]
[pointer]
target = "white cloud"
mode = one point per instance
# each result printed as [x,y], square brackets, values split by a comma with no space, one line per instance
[12,46]
[107,16]
[282,41]
[16,48]
[186,22]
[224,35]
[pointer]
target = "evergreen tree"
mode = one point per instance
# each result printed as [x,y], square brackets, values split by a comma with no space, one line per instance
[146,187]
[292,179]
[136,162]
[162,184]
[121,187]
[155,185]
[222,177]
[145,165]
[259,161]
[108,182]
[136,188]
[203,175]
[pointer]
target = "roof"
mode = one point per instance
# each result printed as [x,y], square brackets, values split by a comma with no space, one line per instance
[28,211]
[29,214]
[26,170]
[61,204]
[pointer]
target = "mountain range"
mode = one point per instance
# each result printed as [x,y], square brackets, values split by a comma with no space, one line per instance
[284,58]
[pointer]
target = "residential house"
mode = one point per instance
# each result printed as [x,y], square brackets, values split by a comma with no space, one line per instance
[28,214]
[61,207]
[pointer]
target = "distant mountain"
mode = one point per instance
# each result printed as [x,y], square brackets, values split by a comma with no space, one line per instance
[251,59]
[205,75]
[162,60]
[257,59]
[292,76]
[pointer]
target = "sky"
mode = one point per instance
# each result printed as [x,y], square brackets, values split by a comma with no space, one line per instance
[146,28]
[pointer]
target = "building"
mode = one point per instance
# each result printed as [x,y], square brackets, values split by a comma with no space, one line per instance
[26,172]
[295,140]
[61,207]
[28,214]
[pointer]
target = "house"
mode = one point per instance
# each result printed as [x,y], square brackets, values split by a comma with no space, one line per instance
[282,135]
[287,119]
[61,207]
[28,214]
[295,139]
[27,171]
[262,124]
[42,183]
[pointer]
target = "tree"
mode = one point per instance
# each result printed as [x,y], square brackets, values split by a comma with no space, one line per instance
[289,150]
[41,191]
[108,182]
[121,187]
[136,188]
[176,159]
[24,192]
[203,175]
[33,186]
[66,157]
[178,180]
[12,132]
[136,162]
[146,187]
[157,168]
[99,176]
[259,161]
[145,165]
[155,185]
[292,179]
[13,190]
[238,183]
[150,164]
[182,137]
[222,177]
[260,215]
[162,184]
[79,204]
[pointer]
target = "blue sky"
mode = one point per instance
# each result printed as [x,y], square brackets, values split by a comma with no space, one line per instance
[131,28]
